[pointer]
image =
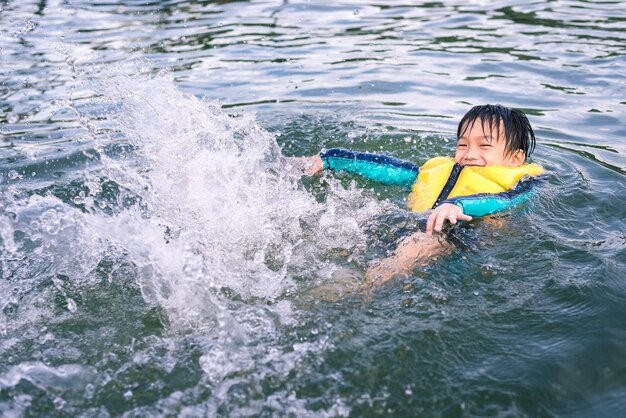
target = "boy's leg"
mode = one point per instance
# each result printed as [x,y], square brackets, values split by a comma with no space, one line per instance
[416,249]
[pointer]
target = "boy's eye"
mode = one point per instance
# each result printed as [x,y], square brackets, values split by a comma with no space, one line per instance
[461,145]
[486,145]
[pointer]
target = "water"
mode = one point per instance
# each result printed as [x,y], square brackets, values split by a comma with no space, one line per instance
[160,256]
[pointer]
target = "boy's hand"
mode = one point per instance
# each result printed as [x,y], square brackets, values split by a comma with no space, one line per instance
[312,165]
[445,212]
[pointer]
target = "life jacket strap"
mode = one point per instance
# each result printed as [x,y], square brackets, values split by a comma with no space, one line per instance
[450,183]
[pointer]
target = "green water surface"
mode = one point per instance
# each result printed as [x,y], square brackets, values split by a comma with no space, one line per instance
[528,320]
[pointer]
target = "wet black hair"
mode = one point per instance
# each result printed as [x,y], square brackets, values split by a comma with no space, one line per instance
[518,133]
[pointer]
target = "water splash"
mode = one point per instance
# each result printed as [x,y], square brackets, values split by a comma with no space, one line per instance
[13,117]
[215,222]
[220,189]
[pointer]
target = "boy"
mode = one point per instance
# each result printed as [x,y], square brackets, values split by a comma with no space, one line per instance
[484,177]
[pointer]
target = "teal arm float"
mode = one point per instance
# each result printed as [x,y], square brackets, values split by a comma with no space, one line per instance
[381,168]
[483,204]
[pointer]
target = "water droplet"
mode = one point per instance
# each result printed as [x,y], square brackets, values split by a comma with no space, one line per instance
[13,117]
[13,174]
[407,139]
[356,12]
[128,395]
[59,403]
[71,305]
[80,198]
[89,390]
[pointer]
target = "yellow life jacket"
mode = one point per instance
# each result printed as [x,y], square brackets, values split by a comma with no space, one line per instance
[434,175]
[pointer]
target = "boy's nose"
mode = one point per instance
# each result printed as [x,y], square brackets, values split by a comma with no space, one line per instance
[470,155]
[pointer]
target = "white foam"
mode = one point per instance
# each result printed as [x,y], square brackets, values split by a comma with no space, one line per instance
[61,379]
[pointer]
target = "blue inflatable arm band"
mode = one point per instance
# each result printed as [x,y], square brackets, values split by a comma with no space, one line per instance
[381,168]
[486,204]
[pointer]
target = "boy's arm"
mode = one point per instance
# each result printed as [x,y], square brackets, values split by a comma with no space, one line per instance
[382,168]
[466,207]
[484,204]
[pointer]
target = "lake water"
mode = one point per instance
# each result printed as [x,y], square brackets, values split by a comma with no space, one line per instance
[160,257]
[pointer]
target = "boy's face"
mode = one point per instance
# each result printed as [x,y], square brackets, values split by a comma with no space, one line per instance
[478,148]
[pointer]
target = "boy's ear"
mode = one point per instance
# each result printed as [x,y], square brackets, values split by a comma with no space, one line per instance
[518,158]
